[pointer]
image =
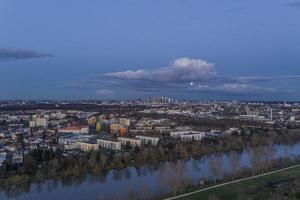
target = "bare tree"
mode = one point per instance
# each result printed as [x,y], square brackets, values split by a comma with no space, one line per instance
[174,176]
[257,159]
[215,164]
[102,197]
[132,194]
[167,178]
[103,160]
[118,162]
[144,191]
[269,156]
[234,161]
[127,157]
[180,172]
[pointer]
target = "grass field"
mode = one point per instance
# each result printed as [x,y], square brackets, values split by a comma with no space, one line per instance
[281,185]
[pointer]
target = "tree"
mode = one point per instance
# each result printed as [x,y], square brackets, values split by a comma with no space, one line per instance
[92,159]
[132,195]
[167,179]
[234,161]
[128,146]
[127,158]
[183,154]
[118,162]
[269,156]
[103,160]
[144,191]
[102,197]
[173,176]
[29,165]
[256,159]
[215,164]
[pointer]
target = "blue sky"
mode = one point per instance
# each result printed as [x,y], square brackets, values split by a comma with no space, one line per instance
[119,49]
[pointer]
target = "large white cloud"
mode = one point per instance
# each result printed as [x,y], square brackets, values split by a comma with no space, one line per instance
[182,69]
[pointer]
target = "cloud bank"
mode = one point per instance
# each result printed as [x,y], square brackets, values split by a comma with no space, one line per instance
[185,76]
[295,4]
[104,92]
[182,69]
[18,54]
[235,88]
[233,10]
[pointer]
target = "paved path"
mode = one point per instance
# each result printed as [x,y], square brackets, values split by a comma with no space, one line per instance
[231,182]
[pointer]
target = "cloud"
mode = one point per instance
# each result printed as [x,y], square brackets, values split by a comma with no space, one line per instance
[104,92]
[295,4]
[234,88]
[18,54]
[181,70]
[233,10]
[247,79]
[184,76]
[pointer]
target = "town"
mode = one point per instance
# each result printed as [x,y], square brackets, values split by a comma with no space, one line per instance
[76,127]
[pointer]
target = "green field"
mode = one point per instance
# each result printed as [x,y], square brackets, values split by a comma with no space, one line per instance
[281,185]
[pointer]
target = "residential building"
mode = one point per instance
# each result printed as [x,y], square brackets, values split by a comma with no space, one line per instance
[88,146]
[74,129]
[192,136]
[132,141]
[148,139]
[109,144]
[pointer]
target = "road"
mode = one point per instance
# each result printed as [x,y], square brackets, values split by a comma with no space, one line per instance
[231,182]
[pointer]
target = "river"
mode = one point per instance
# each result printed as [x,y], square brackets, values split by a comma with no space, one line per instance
[145,181]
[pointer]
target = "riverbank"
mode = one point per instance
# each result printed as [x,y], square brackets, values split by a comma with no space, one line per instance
[43,165]
[282,184]
[154,175]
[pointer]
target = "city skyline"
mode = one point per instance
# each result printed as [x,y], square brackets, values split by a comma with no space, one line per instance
[230,50]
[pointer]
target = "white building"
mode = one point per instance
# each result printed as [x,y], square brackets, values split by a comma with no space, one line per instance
[125,122]
[177,134]
[87,146]
[74,129]
[132,141]
[71,146]
[38,122]
[192,136]
[67,139]
[148,139]
[109,144]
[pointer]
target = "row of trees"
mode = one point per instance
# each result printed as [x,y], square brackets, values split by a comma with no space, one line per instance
[48,164]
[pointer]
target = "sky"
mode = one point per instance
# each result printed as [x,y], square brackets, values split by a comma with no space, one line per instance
[128,49]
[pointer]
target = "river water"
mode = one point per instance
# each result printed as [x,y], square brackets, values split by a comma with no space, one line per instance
[146,180]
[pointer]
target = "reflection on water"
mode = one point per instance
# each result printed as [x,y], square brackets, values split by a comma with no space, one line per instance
[148,180]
